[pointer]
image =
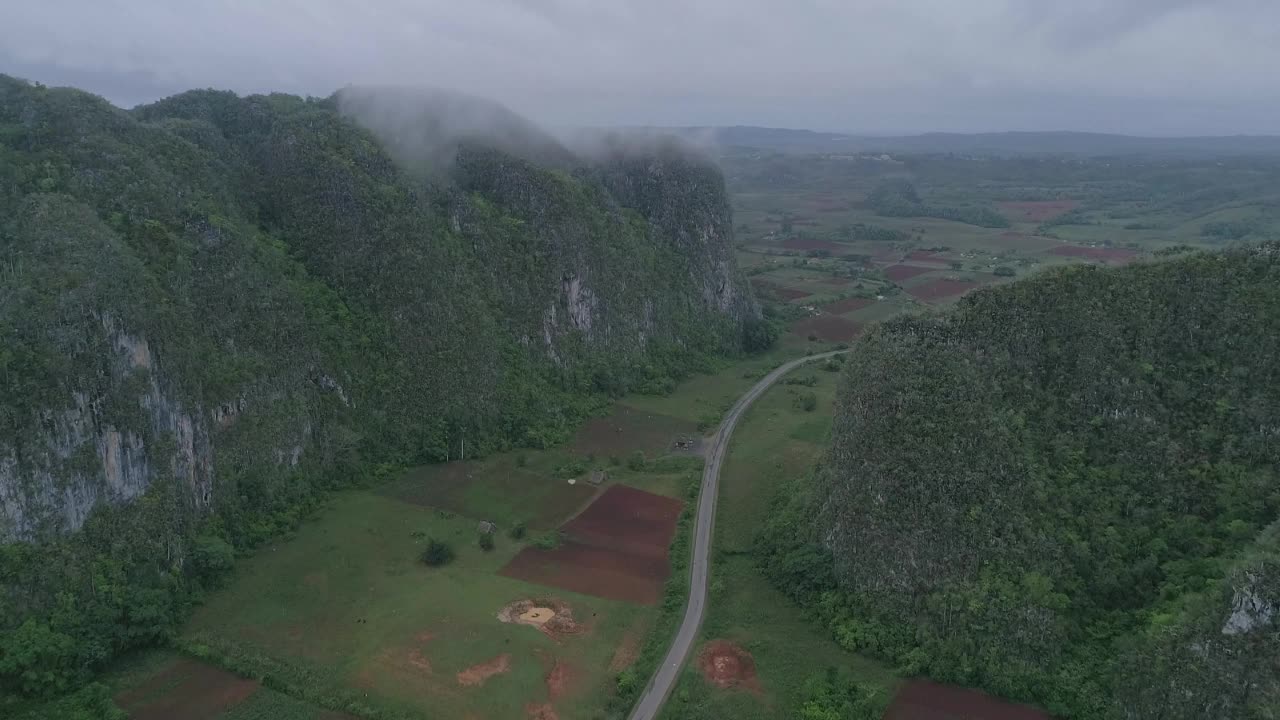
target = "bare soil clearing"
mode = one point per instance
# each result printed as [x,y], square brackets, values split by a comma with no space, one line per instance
[541,711]
[831,328]
[898,273]
[630,520]
[726,665]
[551,616]
[924,700]
[186,689]
[559,680]
[478,674]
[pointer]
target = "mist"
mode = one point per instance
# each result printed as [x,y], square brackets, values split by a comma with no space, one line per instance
[1150,67]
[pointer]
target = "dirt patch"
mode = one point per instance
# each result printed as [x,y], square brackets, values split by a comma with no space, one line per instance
[478,674]
[559,680]
[806,244]
[541,711]
[924,700]
[898,273]
[187,689]
[776,291]
[627,652]
[552,616]
[727,665]
[847,305]
[626,429]
[1108,255]
[1036,210]
[831,328]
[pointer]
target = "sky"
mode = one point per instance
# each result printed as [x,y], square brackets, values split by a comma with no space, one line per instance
[1147,67]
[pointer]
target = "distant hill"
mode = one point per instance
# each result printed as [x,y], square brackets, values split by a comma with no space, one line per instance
[1004,143]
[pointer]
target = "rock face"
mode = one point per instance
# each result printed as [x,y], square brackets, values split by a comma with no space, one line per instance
[228,297]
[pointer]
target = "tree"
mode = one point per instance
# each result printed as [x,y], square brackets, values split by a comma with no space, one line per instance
[437,553]
[486,541]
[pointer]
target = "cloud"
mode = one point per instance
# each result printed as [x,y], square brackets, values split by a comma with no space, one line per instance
[880,65]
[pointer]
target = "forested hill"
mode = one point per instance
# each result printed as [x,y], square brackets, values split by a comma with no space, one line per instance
[1065,491]
[213,306]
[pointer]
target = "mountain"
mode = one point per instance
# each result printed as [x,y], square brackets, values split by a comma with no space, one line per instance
[982,144]
[214,308]
[1064,491]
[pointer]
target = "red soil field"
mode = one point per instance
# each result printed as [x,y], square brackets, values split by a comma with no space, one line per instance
[617,549]
[939,289]
[1094,253]
[925,255]
[187,689]
[924,700]
[782,293]
[630,520]
[803,244]
[840,307]
[831,328]
[1038,210]
[898,273]
[592,571]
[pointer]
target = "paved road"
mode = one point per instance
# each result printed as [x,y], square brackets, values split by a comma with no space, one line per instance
[664,679]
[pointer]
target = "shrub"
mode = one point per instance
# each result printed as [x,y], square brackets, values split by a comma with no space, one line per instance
[517,531]
[1004,271]
[522,460]
[636,460]
[486,541]
[437,553]
[805,401]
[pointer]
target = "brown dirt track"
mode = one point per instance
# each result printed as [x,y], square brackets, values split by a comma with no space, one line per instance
[617,549]
[726,665]
[924,700]
[898,273]
[1094,253]
[941,289]
[847,305]
[1037,210]
[186,689]
[478,674]
[831,328]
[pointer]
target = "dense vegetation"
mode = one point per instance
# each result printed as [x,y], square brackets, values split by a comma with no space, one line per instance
[215,308]
[900,199]
[1064,491]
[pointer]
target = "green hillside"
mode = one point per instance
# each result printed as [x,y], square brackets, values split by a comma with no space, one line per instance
[1063,491]
[215,308]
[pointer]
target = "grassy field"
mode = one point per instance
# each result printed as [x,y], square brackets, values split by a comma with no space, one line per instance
[343,617]
[775,441]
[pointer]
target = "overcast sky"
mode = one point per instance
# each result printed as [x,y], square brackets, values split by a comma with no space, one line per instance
[883,66]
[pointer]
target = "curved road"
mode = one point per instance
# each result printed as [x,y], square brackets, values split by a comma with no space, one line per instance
[660,686]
